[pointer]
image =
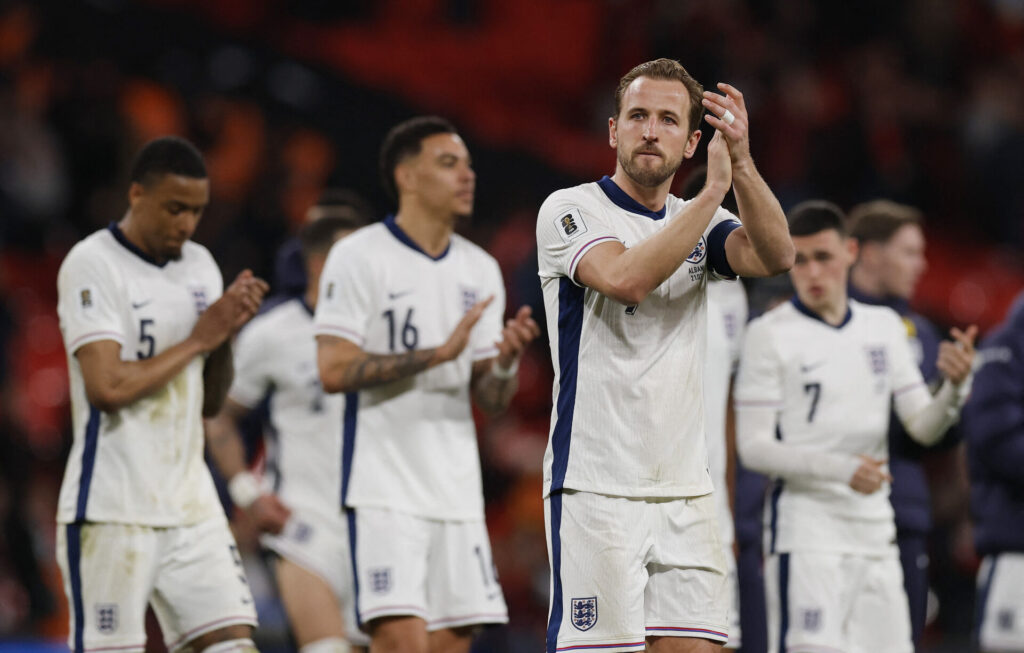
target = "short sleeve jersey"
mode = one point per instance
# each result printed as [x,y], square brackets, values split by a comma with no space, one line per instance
[142,464]
[832,388]
[727,320]
[275,359]
[411,445]
[628,415]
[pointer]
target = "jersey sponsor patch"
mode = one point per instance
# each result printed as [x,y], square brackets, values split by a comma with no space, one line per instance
[584,613]
[570,225]
[699,251]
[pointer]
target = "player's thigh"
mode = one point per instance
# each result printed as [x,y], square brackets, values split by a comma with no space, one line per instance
[807,595]
[390,561]
[108,572]
[317,545]
[462,581]
[687,595]
[879,620]
[451,640]
[682,645]
[1001,603]
[398,634]
[200,584]
[310,604]
[596,547]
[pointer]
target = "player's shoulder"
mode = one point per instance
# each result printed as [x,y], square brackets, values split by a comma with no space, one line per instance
[876,314]
[585,195]
[362,245]
[192,253]
[93,251]
[277,321]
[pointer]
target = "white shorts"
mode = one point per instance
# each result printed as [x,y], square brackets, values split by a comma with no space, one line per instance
[191,575]
[624,569]
[1001,603]
[319,544]
[733,590]
[822,602]
[441,571]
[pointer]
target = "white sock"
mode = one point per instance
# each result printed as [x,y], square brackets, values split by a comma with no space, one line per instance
[327,645]
[244,645]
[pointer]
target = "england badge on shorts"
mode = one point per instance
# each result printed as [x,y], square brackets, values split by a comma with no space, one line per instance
[106,617]
[584,613]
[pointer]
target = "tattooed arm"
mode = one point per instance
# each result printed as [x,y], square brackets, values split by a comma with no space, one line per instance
[345,367]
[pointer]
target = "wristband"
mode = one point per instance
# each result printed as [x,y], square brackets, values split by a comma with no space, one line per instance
[244,489]
[504,373]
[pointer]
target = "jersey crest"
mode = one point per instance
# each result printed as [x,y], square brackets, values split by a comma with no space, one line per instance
[699,252]
[584,613]
[879,364]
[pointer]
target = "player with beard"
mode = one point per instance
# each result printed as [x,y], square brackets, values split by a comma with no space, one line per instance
[633,538]
[410,325]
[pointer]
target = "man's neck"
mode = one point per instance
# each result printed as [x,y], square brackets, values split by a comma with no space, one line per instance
[866,282]
[430,232]
[652,198]
[130,230]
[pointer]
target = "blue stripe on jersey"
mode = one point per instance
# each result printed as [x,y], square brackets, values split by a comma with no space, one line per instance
[717,260]
[92,433]
[404,238]
[73,533]
[982,601]
[800,306]
[783,600]
[555,612]
[774,506]
[622,200]
[570,324]
[348,441]
[350,517]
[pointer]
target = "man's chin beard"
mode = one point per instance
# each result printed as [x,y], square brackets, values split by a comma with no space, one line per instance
[647,177]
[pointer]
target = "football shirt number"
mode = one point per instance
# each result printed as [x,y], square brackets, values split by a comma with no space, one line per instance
[813,389]
[409,334]
[146,339]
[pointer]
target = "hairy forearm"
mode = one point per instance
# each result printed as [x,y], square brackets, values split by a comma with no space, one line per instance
[493,394]
[365,370]
[217,376]
[640,269]
[763,219]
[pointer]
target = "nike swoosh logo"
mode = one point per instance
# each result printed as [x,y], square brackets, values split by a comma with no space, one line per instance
[396,295]
[138,305]
[812,366]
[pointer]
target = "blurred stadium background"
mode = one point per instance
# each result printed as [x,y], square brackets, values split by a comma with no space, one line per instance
[919,101]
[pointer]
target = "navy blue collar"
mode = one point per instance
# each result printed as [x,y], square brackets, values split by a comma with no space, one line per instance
[393,227]
[622,200]
[800,306]
[132,247]
[897,304]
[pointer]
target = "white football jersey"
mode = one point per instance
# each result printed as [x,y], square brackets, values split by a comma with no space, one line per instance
[142,464]
[411,445]
[628,416]
[727,320]
[275,355]
[832,389]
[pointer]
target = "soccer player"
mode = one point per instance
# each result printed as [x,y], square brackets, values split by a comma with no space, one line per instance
[633,539]
[994,430]
[817,376]
[890,261]
[275,357]
[147,332]
[397,329]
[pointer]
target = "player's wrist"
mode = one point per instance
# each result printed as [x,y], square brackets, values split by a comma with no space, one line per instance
[244,489]
[505,372]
